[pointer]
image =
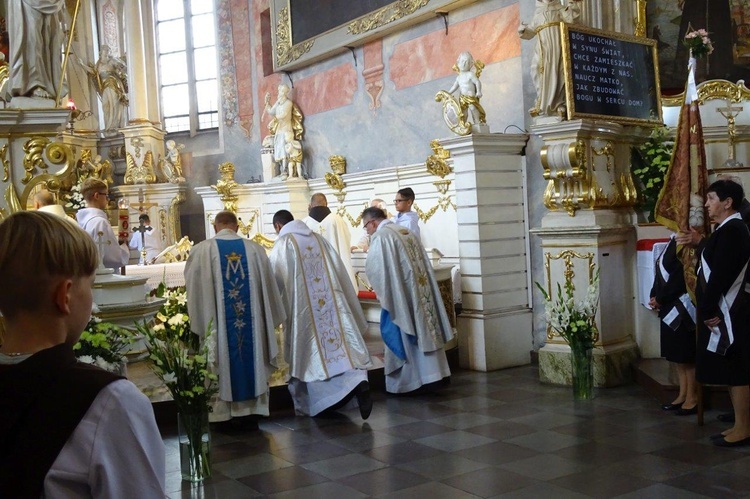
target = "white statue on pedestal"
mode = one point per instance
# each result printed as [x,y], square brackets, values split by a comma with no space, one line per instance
[35,31]
[110,79]
[547,64]
[286,129]
[171,164]
[465,114]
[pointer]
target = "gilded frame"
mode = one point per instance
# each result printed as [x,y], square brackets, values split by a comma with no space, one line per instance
[291,54]
[568,75]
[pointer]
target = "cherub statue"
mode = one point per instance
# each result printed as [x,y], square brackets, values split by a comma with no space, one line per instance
[171,164]
[94,167]
[465,114]
[285,127]
[547,64]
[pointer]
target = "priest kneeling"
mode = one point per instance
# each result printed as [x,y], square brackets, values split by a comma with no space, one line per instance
[230,286]
[327,356]
[413,320]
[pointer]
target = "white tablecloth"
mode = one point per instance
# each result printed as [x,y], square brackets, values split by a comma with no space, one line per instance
[173,274]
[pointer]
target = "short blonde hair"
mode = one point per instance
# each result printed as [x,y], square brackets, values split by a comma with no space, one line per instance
[36,248]
[91,186]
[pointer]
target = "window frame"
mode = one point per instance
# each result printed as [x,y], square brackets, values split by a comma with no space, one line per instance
[193,114]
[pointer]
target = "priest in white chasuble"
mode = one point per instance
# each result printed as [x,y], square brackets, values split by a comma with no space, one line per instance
[333,228]
[230,286]
[327,355]
[413,320]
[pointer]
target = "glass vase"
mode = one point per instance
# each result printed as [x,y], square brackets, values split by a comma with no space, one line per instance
[195,445]
[583,373]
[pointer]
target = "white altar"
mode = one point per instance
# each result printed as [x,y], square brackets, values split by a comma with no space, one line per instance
[172,274]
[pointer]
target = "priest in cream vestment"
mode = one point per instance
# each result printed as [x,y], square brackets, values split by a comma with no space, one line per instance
[413,321]
[327,356]
[230,285]
[334,229]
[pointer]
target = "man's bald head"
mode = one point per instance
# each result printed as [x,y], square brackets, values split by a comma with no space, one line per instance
[225,220]
[318,199]
[43,198]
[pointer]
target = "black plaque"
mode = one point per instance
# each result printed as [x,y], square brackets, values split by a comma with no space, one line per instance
[311,18]
[610,76]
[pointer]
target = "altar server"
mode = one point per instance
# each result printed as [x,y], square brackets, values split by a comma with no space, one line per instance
[333,228]
[67,429]
[114,253]
[324,347]
[413,321]
[230,286]
[404,216]
[145,236]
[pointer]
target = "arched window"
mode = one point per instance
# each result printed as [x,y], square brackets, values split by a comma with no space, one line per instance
[186,44]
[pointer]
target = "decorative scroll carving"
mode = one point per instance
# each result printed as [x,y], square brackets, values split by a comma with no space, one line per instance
[39,155]
[437,165]
[567,257]
[574,180]
[247,228]
[285,51]
[713,89]
[263,240]
[386,15]
[140,174]
[640,22]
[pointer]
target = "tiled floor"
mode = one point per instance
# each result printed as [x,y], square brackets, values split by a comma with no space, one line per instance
[499,434]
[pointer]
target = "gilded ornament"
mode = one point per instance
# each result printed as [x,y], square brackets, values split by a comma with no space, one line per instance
[713,89]
[11,200]
[285,51]
[338,164]
[5,161]
[140,174]
[174,218]
[225,186]
[385,15]
[335,182]
[247,228]
[263,240]
[33,158]
[436,163]
[640,23]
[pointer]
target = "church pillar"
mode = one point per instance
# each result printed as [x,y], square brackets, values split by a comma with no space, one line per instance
[144,136]
[590,228]
[496,323]
[620,16]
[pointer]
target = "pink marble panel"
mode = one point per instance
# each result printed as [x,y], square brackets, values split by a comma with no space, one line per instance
[243,61]
[326,90]
[490,37]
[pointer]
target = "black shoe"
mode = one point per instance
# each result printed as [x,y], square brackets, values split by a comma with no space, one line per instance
[686,412]
[739,443]
[670,407]
[727,417]
[363,399]
[716,436]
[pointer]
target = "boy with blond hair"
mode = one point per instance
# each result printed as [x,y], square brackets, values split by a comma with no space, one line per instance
[66,429]
[93,219]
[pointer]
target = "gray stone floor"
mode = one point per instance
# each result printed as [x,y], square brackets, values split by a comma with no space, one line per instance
[500,434]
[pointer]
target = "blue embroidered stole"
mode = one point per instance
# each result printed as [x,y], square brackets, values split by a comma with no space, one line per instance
[235,280]
[391,334]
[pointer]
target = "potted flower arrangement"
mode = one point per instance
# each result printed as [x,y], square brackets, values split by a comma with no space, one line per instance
[183,366]
[103,344]
[574,321]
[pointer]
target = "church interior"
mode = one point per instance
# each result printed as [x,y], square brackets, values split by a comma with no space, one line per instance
[187,108]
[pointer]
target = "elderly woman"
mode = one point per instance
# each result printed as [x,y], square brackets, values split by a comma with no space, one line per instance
[723,356]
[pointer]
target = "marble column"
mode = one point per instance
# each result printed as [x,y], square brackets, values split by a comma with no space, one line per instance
[144,134]
[590,228]
[496,323]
